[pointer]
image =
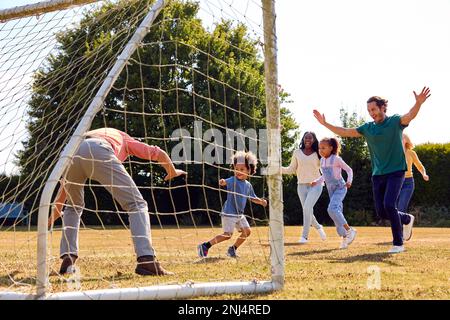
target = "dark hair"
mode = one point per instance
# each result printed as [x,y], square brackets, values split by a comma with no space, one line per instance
[250,160]
[334,143]
[380,102]
[314,145]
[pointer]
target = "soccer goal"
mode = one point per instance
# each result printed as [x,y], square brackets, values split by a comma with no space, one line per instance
[198,79]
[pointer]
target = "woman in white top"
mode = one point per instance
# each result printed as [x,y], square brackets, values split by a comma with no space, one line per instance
[305,163]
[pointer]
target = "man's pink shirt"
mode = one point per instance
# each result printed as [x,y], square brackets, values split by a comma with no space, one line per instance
[124,145]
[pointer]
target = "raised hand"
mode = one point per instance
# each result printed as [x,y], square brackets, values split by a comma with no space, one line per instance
[319,116]
[423,96]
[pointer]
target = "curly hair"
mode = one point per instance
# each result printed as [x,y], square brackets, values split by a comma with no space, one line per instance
[248,158]
[334,143]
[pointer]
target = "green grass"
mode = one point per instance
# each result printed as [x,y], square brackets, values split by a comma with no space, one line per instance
[317,270]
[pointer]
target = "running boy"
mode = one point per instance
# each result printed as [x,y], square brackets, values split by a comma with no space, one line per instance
[332,165]
[239,190]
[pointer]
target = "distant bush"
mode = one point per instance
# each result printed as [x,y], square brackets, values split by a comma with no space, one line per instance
[436,192]
[435,216]
[360,218]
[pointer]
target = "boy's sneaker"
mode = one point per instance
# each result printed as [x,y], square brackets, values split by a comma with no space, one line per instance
[407,229]
[232,252]
[202,250]
[322,233]
[350,236]
[344,244]
[303,240]
[397,249]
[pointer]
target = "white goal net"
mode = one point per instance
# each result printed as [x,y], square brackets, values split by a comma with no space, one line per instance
[194,79]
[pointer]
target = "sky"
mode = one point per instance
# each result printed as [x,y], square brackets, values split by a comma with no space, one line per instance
[334,54]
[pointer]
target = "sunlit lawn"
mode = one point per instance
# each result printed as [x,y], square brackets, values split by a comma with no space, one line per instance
[317,270]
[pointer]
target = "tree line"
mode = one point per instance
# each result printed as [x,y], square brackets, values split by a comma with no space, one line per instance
[212,75]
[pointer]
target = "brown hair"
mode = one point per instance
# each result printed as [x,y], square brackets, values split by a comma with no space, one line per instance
[380,102]
[248,158]
[334,143]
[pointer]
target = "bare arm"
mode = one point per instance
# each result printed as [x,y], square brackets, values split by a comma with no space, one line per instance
[164,160]
[419,166]
[59,203]
[260,201]
[145,151]
[420,99]
[340,131]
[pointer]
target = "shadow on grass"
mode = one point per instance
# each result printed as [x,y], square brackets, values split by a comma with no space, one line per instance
[290,244]
[57,278]
[308,253]
[370,257]
[209,260]
[387,243]
[8,279]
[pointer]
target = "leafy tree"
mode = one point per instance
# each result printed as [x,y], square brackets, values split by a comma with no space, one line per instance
[181,73]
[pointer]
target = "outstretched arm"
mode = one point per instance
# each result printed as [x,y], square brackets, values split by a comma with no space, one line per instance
[420,99]
[149,152]
[165,161]
[57,207]
[419,166]
[260,201]
[340,131]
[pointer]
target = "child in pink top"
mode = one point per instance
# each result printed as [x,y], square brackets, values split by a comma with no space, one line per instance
[331,166]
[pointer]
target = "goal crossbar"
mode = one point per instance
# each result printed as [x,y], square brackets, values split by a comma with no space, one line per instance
[39,8]
[188,290]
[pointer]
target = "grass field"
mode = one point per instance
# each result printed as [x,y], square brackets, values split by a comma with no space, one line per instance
[317,270]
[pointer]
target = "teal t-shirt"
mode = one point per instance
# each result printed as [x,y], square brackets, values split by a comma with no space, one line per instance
[385,145]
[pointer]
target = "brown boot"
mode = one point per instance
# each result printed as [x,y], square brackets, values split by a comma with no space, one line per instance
[68,260]
[148,266]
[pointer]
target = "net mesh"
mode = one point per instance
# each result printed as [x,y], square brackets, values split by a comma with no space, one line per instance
[194,87]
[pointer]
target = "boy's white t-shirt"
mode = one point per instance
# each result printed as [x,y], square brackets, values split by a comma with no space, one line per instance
[307,168]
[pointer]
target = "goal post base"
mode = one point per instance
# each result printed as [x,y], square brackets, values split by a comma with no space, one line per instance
[188,290]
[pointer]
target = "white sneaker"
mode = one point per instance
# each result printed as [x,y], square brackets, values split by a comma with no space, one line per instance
[350,236]
[397,249]
[303,240]
[407,229]
[322,233]
[344,244]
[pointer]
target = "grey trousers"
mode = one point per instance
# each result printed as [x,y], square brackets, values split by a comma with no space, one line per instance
[95,159]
